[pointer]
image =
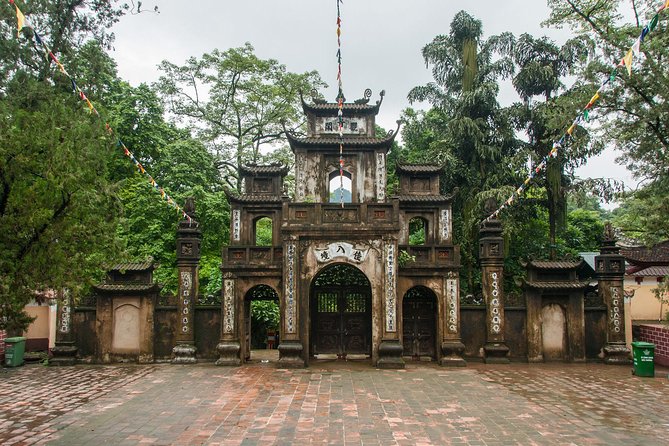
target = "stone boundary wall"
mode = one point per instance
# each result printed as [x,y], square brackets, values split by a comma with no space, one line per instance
[658,335]
[3,335]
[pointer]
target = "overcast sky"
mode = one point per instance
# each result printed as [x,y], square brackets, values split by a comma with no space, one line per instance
[381,42]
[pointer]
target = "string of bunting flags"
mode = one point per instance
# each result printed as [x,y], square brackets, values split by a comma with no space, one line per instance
[340,108]
[626,62]
[24,22]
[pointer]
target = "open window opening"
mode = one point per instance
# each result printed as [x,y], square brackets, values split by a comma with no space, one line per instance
[340,187]
[263,231]
[417,231]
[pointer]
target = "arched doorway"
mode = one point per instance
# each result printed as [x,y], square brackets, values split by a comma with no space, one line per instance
[341,312]
[419,323]
[261,324]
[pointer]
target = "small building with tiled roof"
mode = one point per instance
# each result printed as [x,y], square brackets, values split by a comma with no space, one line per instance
[645,268]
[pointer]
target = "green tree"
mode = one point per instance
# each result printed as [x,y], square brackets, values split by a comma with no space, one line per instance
[57,209]
[63,26]
[466,129]
[634,110]
[546,111]
[237,102]
[642,215]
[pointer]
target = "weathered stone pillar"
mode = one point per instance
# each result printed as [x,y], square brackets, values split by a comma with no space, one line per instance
[65,350]
[229,346]
[188,260]
[492,277]
[610,273]
[290,348]
[452,347]
[390,349]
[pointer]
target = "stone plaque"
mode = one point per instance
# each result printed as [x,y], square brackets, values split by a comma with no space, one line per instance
[340,215]
[339,250]
[125,337]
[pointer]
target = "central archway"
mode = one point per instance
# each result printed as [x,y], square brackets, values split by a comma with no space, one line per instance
[341,312]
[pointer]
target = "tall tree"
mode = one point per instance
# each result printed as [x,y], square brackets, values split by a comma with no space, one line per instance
[634,108]
[466,128]
[238,103]
[546,111]
[57,209]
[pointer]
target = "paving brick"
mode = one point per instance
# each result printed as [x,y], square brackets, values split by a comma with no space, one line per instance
[334,403]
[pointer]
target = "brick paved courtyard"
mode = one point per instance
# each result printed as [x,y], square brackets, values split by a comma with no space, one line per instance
[333,403]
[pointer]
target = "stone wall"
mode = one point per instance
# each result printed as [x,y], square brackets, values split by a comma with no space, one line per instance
[3,335]
[85,337]
[207,331]
[595,332]
[657,334]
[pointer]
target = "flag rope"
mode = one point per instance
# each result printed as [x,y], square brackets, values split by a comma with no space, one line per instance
[627,62]
[340,108]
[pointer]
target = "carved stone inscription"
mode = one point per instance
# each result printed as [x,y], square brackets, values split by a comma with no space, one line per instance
[65,317]
[236,224]
[615,316]
[299,177]
[340,215]
[186,295]
[380,177]
[452,295]
[391,296]
[340,249]
[445,223]
[229,306]
[290,288]
[495,304]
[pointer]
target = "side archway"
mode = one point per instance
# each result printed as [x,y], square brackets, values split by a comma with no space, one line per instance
[419,323]
[260,325]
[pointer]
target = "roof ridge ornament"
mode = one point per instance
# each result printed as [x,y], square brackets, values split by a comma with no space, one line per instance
[365,98]
[317,98]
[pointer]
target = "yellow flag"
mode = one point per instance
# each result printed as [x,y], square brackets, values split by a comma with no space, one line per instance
[628,61]
[666,5]
[594,98]
[21,21]
[570,130]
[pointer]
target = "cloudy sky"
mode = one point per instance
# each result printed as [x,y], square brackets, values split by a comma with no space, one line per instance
[381,42]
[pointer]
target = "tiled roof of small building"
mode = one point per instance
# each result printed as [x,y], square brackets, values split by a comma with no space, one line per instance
[651,271]
[265,170]
[557,285]
[419,168]
[126,286]
[134,266]
[555,264]
[254,198]
[425,198]
[657,254]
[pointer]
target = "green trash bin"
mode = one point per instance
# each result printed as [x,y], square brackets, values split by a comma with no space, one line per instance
[14,348]
[644,358]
